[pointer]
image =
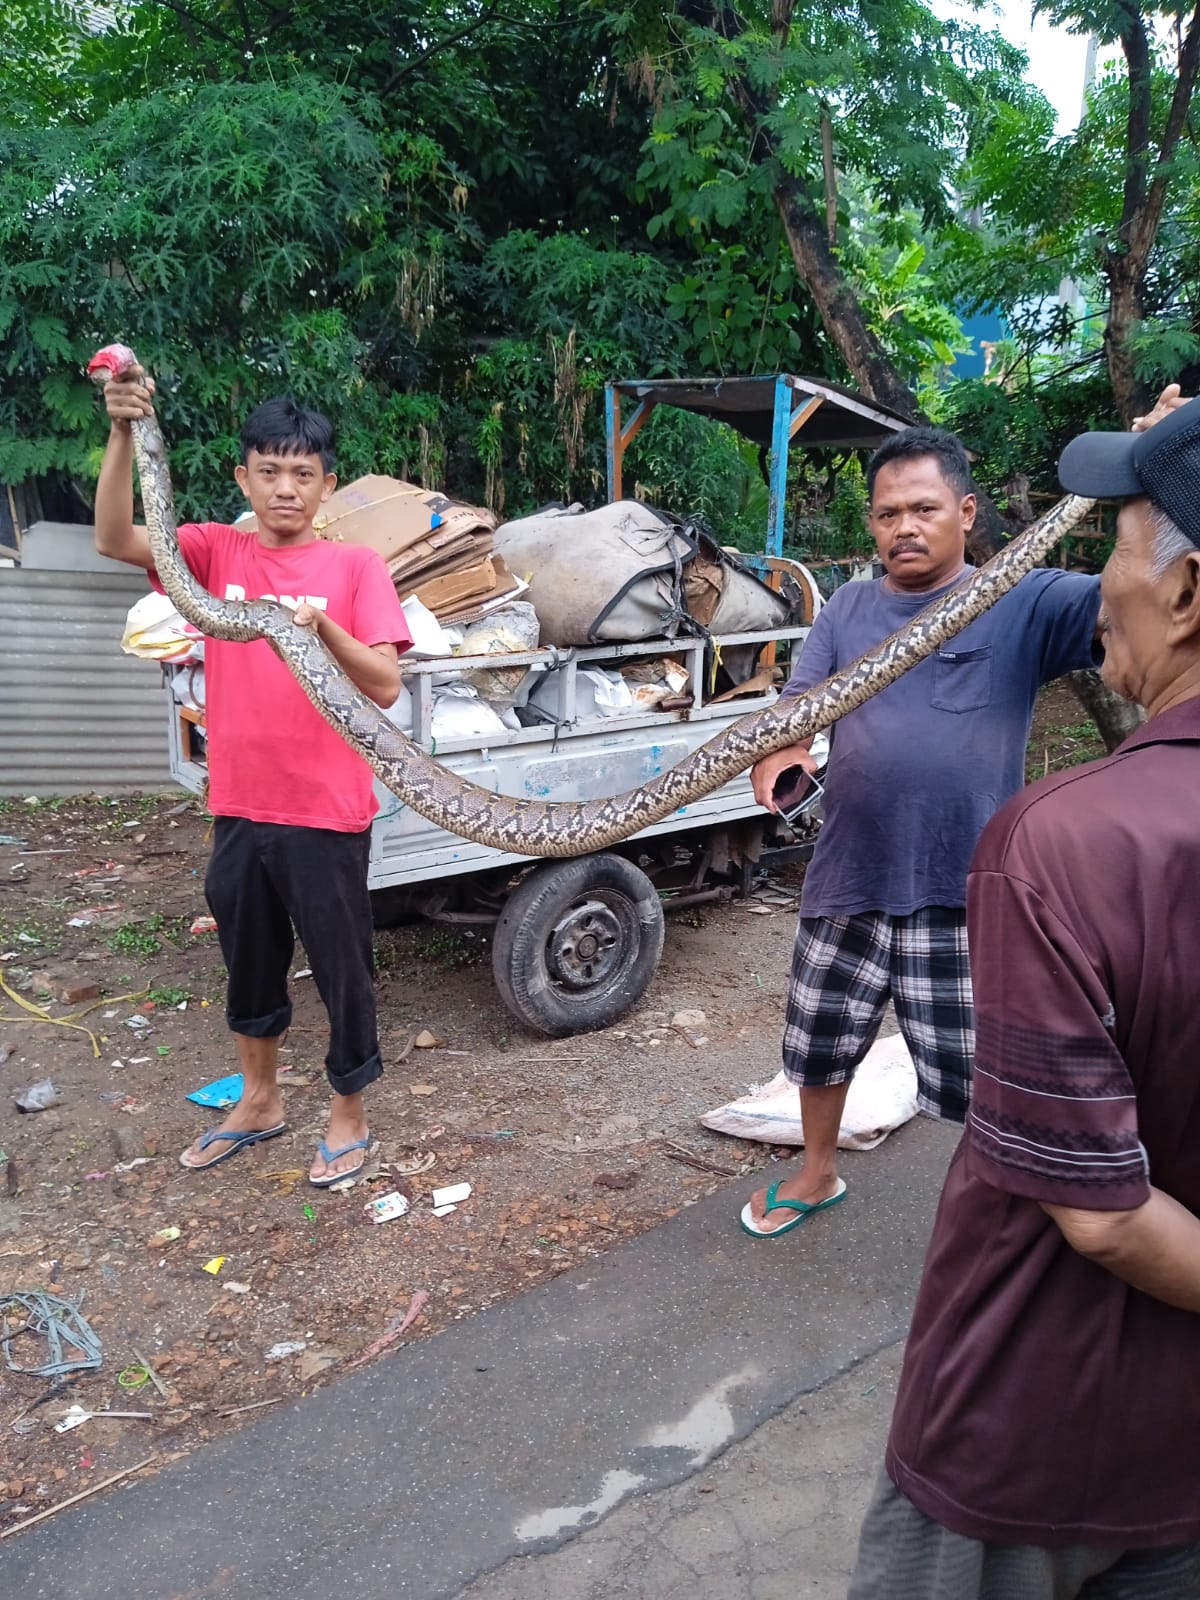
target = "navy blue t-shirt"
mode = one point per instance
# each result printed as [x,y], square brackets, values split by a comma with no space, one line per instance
[916,772]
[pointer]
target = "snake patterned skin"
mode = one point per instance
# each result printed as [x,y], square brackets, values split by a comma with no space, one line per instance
[557,827]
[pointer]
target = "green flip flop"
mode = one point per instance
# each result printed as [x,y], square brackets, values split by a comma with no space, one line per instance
[802,1208]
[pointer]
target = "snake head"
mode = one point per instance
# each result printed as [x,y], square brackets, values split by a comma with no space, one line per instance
[110,362]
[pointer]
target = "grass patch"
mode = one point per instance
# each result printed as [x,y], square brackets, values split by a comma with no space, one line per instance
[139,938]
[449,949]
[170,995]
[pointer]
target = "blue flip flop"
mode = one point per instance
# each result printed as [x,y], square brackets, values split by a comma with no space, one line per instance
[329,1156]
[236,1139]
[802,1208]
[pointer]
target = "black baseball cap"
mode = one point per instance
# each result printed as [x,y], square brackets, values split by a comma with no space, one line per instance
[1163,463]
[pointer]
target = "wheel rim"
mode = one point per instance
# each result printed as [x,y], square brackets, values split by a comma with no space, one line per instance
[592,941]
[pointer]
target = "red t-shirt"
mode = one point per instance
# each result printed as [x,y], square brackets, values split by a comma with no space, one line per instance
[271,757]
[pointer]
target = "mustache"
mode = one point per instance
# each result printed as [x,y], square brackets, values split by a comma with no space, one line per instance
[901,545]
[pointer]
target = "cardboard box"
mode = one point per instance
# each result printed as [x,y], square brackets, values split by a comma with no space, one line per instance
[393,517]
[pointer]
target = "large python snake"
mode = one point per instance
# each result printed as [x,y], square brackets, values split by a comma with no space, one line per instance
[557,827]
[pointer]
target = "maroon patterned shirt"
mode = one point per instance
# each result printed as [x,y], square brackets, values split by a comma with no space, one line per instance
[1044,1401]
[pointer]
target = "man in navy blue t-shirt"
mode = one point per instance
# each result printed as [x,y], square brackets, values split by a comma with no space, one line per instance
[914,774]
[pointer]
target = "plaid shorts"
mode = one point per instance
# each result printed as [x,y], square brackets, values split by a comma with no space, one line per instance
[844,972]
[903,1553]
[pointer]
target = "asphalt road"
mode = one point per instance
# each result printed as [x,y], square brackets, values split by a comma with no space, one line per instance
[477,1458]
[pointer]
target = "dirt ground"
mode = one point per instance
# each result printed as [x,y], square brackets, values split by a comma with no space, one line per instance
[191,1280]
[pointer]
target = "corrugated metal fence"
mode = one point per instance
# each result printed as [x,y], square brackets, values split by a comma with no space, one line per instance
[77,715]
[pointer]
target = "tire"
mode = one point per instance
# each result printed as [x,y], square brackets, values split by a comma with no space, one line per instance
[577,944]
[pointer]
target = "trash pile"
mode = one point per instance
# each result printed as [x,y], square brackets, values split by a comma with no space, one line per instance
[561,580]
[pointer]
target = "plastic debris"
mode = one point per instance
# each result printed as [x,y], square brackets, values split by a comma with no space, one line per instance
[138,1023]
[60,1323]
[309,1213]
[415,1165]
[236,1288]
[165,1236]
[304,972]
[76,1415]
[137,1161]
[288,1347]
[203,925]
[443,1211]
[452,1195]
[387,1207]
[39,1097]
[6,1050]
[214,1266]
[8,838]
[220,1094]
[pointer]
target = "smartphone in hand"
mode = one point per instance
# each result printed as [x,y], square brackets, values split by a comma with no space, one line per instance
[796,791]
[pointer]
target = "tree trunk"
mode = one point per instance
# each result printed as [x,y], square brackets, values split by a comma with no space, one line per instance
[1114,718]
[835,299]
[1147,174]
[1124,314]
[869,363]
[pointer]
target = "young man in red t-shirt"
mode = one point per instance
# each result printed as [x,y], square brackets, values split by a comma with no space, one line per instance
[293,802]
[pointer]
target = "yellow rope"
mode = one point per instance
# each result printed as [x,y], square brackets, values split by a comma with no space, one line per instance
[39,1014]
[716,667]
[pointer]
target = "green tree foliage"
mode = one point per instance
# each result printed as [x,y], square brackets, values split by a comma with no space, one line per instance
[237,236]
[1112,207]
[449,226]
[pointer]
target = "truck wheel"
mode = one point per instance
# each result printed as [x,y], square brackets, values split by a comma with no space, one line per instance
[577,943]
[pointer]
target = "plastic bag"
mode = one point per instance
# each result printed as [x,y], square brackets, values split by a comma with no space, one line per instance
[429,638]
[458,713]
[882,1098]
[155,631]
[598,693]
[510,630]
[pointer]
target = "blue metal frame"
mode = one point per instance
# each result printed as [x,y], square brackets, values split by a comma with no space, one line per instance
[780,439]
[611,424]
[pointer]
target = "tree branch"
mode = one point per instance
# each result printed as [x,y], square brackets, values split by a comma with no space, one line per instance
[202,23]
[1177,121]
[1136,47]
[489,13]
[830,176]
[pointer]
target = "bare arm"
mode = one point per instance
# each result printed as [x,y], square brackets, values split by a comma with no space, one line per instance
[1155,1247]
[371,668]
[117,536]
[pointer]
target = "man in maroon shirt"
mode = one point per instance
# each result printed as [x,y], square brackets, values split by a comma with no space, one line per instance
[1046,1439]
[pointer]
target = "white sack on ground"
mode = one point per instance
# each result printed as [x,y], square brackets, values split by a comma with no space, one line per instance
[882,1098]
